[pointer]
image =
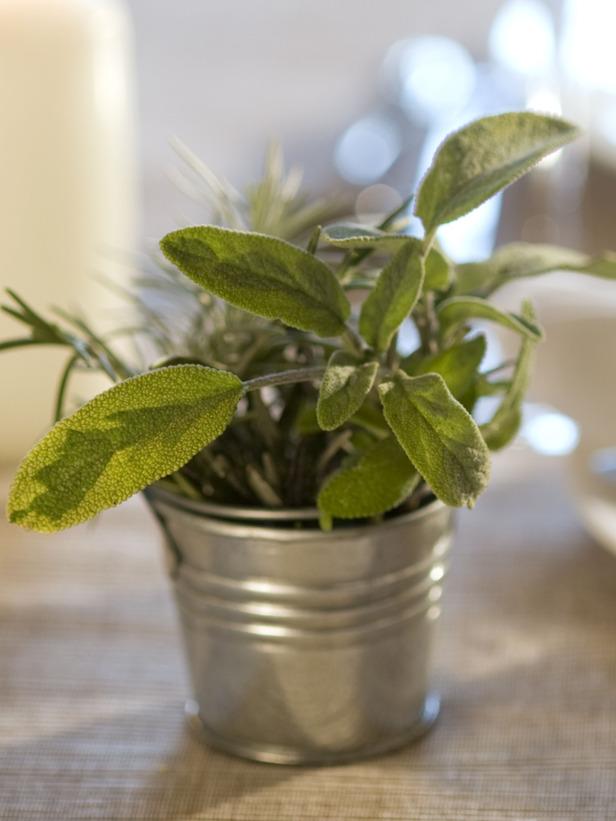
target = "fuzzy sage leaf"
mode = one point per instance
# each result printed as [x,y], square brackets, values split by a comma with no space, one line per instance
[484,157]
[457,365]
[121,441]
[462,309]
[525,259]
[438,271]
[394,295]
[261,274]
[345,385]
[438,435]
[378,480]
[362,236]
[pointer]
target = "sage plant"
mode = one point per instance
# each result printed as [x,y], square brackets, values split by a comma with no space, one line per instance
[393,431]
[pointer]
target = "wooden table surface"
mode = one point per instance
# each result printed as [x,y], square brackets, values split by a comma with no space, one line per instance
[92,683]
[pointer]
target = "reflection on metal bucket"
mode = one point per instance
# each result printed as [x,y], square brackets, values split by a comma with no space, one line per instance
[306,646]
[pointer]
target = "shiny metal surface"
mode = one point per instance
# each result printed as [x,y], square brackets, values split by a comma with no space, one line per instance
[305,646]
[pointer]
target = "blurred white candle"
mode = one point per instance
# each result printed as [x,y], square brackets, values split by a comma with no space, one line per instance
[67,181]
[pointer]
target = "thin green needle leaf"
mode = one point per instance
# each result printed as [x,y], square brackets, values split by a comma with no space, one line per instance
[21,343]
[62,387]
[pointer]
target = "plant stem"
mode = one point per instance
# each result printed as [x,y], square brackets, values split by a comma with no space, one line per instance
[392,353]
[508,363]
[284,378]
[338,442]
[426,321]
[313,242]
[350,262]
[354,339]
[432,326]
[428,242]
[391,218]
[427,324]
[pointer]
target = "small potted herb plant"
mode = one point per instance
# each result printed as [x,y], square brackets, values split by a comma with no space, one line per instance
[304,472]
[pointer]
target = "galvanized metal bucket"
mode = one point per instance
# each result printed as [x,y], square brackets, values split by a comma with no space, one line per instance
[306,647]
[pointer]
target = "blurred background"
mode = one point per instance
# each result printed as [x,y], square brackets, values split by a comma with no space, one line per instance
[226,79]
[360,95]
[103,100]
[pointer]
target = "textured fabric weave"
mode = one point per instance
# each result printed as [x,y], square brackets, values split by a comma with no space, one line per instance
[92,684]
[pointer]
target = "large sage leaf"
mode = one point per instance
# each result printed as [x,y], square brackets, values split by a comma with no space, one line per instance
[457,365]
[438,435]
[505,423]
[393,297]
[263,275]
[522,259]
[484,157]
[345,385]
[362,236]
[121,441]
[462,309]
[379,480]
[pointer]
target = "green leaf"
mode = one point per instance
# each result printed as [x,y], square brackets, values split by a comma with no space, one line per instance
[379,480]
[438,271]
[474,278]
[484,157]
[263,275]
[505,423]
[457,365]
[121,441]
[438,435]
[461,309]
[345,385]
[370,418]
[393,297]
[522,259]
[362,236]
[500,432]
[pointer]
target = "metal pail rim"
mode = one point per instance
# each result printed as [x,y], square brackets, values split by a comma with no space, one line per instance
[273,519]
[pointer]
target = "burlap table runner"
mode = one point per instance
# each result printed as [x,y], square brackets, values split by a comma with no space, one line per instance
[92,684]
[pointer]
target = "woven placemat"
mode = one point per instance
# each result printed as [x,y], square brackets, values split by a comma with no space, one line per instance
[92,684]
